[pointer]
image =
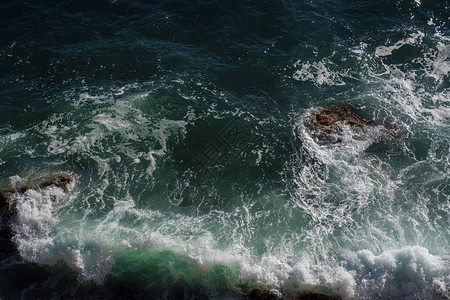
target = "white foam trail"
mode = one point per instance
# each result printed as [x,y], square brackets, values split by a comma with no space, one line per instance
[161,133]
[121,121]
[91,250]
[325,172]
[411,93]
[330,183]
[404,89]
[415,38]
[320,73]
[440,65]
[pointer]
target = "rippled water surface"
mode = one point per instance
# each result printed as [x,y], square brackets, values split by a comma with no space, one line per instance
[183,124]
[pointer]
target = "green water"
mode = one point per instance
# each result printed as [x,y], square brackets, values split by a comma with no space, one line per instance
[183,125]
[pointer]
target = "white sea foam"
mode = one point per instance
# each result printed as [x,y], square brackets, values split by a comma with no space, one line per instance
[407,272]
[320,73]
[35,220]
[329,184]
[405,89]
[118,120]
[320,172]
[412,40]
[39,239]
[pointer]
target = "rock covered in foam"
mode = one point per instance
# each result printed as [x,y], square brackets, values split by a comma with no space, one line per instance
[328,125]
[61,180]
[7,199]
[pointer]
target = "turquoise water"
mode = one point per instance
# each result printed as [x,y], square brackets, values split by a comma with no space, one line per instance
[183,125]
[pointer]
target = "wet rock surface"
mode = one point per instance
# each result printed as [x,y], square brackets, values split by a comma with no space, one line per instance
[328,125]
[7,203]
[262,294]
[6,212]
[59,180]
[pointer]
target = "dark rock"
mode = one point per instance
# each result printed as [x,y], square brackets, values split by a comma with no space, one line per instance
[263,294]
[327,125]
[61,180]
[260,294]
[316,296]
[6,212]
[5,197]
[7,205]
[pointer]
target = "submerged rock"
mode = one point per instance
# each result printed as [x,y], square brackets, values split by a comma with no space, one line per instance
[328,125]
[263,294]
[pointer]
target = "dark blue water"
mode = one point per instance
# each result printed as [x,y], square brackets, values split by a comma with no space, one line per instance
[183,124]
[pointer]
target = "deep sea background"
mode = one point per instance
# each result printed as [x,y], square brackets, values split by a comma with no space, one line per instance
[195,177]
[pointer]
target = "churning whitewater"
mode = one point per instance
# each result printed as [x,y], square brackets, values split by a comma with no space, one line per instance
[225,150]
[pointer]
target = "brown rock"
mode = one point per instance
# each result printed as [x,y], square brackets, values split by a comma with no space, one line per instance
[327,125]
[7,205]
[60,180]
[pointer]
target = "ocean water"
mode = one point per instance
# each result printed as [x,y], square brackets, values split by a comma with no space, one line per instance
[182,123]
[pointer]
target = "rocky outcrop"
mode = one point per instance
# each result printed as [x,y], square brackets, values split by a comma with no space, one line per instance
[61,180]
[6,212]
[7,202]
[263,294]
[316,296]
[266,294]
[328,124]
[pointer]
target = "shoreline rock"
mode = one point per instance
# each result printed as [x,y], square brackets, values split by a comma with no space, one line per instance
[7,204]
[263,294]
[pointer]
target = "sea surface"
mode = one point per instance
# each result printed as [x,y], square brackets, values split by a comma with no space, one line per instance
[183,124]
